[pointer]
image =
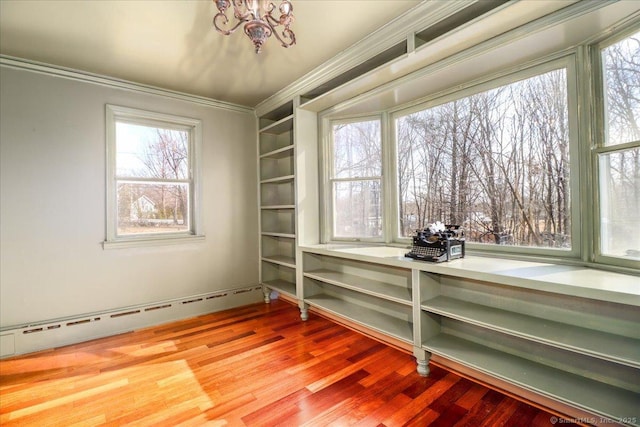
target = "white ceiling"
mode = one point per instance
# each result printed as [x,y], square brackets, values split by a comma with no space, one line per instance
[172,44]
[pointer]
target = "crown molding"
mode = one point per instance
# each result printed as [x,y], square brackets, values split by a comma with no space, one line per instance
[415,19]
[82,76]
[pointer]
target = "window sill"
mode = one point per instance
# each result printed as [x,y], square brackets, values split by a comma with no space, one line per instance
[151,241]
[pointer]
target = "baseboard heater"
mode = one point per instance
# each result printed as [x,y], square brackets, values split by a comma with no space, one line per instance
[22,339]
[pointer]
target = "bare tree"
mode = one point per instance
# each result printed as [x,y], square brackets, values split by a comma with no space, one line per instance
[166,157]
[357,157]
[480,161]
[620,169]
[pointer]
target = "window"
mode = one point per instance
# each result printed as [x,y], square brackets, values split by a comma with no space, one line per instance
[152,187]
[494,162]
[356,180]
[530,162]
[618,154]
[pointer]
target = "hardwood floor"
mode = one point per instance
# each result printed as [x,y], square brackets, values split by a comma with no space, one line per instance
[254,366]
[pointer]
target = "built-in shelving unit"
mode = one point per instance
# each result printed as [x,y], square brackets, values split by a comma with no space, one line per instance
[276,157]
[287,143]
[512,322]
[579,351]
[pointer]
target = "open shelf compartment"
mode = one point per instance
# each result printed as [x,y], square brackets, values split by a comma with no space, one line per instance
[275,116]
[279,250]
[272,142]
[385,282]
[277,164]
[278,192]
[607,346]
[593,396]
[387,317]
[279,277]
[366,286]
[279,221]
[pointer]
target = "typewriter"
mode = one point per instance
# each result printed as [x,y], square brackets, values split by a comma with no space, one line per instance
[438,243]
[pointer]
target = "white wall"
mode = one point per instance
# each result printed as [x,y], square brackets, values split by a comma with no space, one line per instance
[52,204]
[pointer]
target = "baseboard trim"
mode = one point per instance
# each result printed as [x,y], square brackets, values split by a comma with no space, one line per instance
[54,333]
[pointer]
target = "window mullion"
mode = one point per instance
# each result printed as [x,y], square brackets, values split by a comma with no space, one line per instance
[389,179]
[618,147]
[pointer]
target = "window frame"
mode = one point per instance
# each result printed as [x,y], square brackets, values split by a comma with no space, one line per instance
[118,114]
[599,146]
[391,229]
[328,179]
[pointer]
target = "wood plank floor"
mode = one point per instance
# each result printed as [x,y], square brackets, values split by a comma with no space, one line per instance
[253,366]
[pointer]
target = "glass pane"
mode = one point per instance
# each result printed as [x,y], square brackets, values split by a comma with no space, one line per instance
[151,152]
[496,163]
[357,150]
[621,63]
[152,208]
[357,209]
[620,204]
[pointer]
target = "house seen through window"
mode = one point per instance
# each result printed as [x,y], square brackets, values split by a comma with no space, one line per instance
[153,181]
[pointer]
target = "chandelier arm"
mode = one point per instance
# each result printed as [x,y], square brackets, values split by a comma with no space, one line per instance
[269,7]
[287,34]
[241,11]
[288,37]
[286,14]
[273,22]
[224,22]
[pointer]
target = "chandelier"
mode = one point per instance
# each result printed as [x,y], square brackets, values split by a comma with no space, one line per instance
[257,17]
